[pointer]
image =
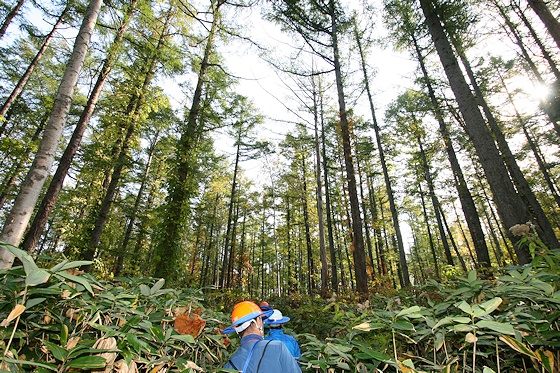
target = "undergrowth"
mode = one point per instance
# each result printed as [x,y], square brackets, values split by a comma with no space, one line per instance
[55,318]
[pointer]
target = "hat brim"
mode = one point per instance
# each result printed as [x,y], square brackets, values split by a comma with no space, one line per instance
[252,315]
[277,321]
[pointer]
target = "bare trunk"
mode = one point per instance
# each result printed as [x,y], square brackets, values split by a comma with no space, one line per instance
[19,216]
[10,17]
[57,182]
[510,207]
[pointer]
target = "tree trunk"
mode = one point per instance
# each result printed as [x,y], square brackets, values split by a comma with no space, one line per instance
[134,107]
[394,214]
[181,184]
[319,196]
[57,182]
[545,105]
[20,214]
[25,77]
[528,198]
[330,223]
[435,203]
[225,277]
[465,197]
[546,16]
[510,207]
[430,236]
[9,17]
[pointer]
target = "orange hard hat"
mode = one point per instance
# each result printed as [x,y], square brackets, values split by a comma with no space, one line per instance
[244,311]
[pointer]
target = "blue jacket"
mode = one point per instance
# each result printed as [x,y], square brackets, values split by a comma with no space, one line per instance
[277,334]
[268,356]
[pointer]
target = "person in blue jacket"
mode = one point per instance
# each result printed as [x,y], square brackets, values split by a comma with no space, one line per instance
[256,354]
[275,322]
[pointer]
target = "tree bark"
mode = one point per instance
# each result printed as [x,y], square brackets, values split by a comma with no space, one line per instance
[394,213]
[25,77]
[511,209]
[546,16]
[467,203]
[20,214]
[9,17]
[57,182]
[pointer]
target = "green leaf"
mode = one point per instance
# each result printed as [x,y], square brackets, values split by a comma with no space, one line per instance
[137,344]
[37,277]
[402,325]
[518,346]
[472,276]
[487,307]
[26,259]
[145,290]
[63,335]
[64,265]
[158,285]
[408,311]
[52,367]
[33,302]
[88,362]
[496,326]
[80,280]
[187,338]
[465,307]
[547,360]
[58,352]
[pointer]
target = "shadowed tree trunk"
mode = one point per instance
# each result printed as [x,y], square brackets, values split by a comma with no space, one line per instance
[510,207]
[546,16]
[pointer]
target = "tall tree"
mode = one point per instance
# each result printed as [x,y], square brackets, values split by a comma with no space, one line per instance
[22,209]
[55,186]
[550,21]
[314,21]
[380,147]
[510,207]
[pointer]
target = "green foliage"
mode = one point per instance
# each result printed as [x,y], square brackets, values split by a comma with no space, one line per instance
[57,319]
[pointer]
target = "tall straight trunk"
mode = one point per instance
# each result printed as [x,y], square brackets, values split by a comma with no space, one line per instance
[25,77]
[319,196]
[206,260]
[453,243]
[330,223]
[21,211]
[510,207]
[17,168]
[57,182]
[181,184]
[545,105]
[528,198]
[225,279]
[542,167]
[370,266]
[9,17]
[430,236]
[394,213]
[465,197]
[358,251]
[233,253]
[135,104]
[138,200]
[546,54]
[435,203]
[310,262]
[379,247]
[550,21]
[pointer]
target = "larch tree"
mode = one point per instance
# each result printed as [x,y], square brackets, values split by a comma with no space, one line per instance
[20,214]
[321,24]
[510,207]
